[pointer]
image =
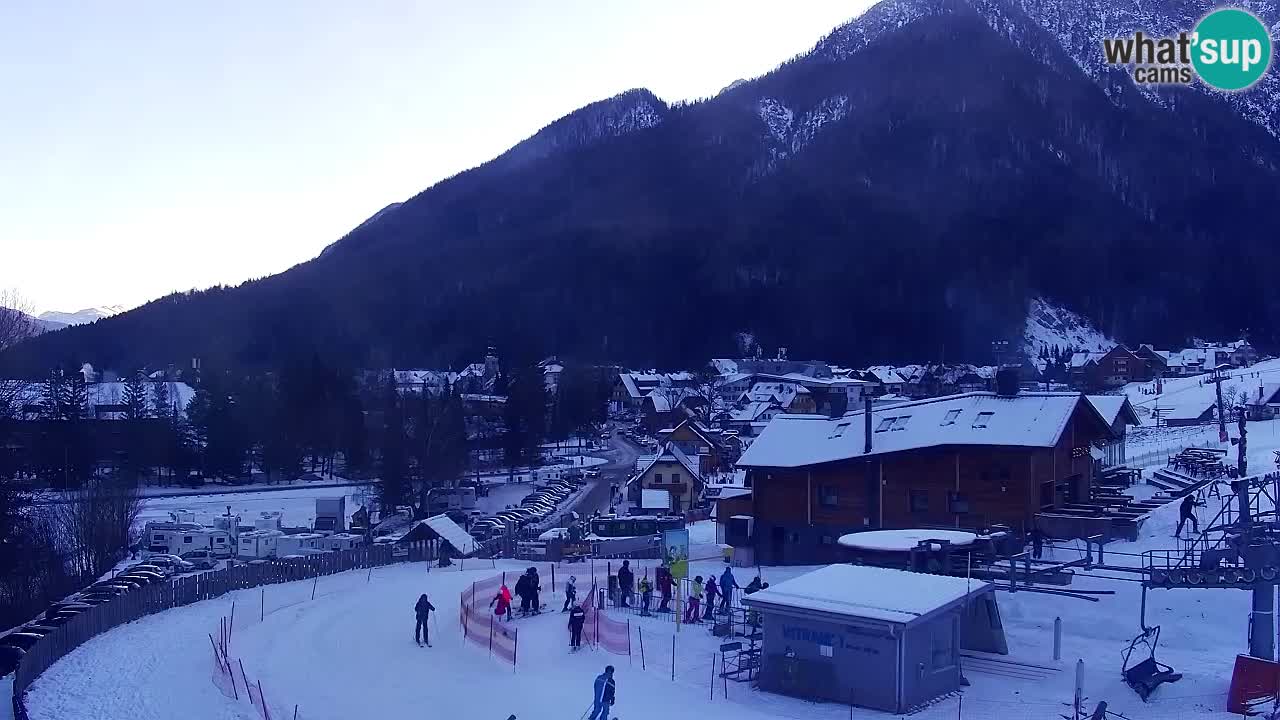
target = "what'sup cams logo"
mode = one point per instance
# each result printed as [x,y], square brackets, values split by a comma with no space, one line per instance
[1229,49]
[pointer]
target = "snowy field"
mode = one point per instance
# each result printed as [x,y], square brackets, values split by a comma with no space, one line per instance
[350,653]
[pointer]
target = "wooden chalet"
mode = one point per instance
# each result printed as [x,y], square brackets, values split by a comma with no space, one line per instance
[970,461]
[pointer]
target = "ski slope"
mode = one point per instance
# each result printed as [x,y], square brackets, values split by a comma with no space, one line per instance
[1180,392]
[350,653]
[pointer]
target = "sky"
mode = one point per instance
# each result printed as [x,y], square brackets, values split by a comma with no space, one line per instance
[154,146]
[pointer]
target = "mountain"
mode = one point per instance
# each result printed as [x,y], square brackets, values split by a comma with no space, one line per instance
[80,317]
[905,190]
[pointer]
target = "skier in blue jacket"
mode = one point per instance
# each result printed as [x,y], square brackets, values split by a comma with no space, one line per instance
[727,586]
[604,696]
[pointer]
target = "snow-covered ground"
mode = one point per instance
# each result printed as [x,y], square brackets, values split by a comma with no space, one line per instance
[349,653]
[1189,391]
[1050,326]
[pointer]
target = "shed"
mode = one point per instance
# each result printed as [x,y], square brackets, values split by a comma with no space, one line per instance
[873,637]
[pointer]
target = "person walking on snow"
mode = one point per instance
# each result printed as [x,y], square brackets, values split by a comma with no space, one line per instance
[604,694]
[727,586]
[423,610]
[577,618]
[626,580]
[1187,511]
[503,601]
[646,596]
[570,593]
[711,597]
[693,613]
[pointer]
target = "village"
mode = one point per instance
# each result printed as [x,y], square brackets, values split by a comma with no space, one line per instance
[971,490]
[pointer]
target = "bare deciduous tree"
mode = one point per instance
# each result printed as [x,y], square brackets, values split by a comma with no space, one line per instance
[93,525]
[16,325]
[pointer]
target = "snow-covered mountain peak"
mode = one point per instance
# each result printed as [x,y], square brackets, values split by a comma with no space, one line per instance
[81,317]
[621,114]
[1076,28]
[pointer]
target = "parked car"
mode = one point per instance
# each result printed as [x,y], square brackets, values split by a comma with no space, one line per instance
[157,568]
[20,639]
[69,606]
[202,559]
[172,563]
[146,577]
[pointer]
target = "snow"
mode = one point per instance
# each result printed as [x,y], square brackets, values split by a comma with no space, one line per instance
[979,418]
[903,540]
[449,530]
[349,653]
[1050,325]
[81,317]
[877,593]
[1108,406]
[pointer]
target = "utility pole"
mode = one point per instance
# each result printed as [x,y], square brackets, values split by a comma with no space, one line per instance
[1222,418]
[1242,459]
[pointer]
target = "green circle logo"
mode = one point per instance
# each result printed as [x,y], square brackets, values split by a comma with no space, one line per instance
[1232,49]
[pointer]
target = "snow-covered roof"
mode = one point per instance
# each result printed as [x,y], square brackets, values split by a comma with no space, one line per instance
[977,418]
[724,492]
[903,540]
[751,412]
[1187,410]
[886,374]
[1171,358]
[671,453]
[435,378]
[724,366]
[1266,394]
[1110,407]
[446,528]
[666,399]
[730,378]
[1080,359]
[895,596]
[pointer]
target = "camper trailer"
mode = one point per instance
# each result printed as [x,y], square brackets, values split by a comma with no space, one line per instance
[340,541]
[291,544]
[177,538]
[258,544]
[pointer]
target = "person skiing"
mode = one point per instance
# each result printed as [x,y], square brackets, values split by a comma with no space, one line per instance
[711,597]
[522,592]
[423,610]
[570,593]
[753,586]
[693,613]
[727,586]
[604,695]
[503,601]
[646,595]
[1187,511]
[577,617]
[535,588]
[626,580]
[664,589]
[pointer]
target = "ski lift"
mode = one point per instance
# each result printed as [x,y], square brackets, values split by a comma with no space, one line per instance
[1149,674]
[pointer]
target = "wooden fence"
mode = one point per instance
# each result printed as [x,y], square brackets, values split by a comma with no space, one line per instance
[145,601]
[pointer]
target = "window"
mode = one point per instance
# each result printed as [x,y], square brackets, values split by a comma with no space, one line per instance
[919,501]
[839,431]
[900,423]
[157,538]
[657,478]
[885,424]
[220,540]
[957,503]
[951,416]
[675,477]
[827,540]
[982,419]
[186,539]
[827,496]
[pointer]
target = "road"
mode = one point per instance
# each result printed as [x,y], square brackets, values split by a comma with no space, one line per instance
[622,456]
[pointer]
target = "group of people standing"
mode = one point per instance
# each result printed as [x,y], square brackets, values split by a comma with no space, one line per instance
[695,610]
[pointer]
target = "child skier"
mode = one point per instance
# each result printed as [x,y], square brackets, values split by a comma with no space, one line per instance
[577,617]
[664,588]
[711,597]
[693,613]
[503,601]
[570,593]
[646,596]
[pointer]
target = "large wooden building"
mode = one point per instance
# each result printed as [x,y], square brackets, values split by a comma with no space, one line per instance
[971,461]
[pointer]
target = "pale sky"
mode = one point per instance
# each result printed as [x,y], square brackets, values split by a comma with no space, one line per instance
[151,146]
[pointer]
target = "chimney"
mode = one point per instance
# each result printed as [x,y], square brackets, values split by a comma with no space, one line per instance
[867,402]
[1007,382]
